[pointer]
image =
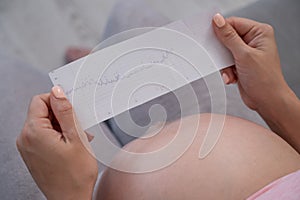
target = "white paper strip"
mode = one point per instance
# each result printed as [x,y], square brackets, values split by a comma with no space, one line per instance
[130,73]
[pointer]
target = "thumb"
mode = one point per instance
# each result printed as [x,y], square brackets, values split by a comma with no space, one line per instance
[228,35]
[63,112]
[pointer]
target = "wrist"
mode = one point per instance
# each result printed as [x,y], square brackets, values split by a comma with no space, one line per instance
[283,118]
[276,112]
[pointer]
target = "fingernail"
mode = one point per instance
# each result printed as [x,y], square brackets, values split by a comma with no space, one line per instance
[225,78]
[219,20]
[58,92]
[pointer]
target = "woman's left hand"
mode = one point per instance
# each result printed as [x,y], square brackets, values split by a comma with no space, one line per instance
[56,150]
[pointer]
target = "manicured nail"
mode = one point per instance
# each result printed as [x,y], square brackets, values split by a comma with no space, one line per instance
[58,92]
[219,20]
[225,78]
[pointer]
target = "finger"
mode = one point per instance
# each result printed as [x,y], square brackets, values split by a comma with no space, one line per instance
[54,121]
[63,112]
[227,35]
[39,106]
[90,137]
[228,75]
[247,28]
[242,25]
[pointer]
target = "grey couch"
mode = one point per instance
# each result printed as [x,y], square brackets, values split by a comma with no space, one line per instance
[20,82]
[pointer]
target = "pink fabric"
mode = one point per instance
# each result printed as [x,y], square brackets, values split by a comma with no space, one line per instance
[285,188]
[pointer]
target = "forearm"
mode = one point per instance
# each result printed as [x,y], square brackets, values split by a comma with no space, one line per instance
[283,117]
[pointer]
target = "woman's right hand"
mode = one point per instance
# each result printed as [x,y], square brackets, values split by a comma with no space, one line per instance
[257,68]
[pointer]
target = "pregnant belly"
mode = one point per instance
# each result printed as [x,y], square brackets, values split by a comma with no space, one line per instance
[246,158]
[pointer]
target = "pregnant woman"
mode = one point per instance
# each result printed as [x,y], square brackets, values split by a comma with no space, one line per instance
[248,161]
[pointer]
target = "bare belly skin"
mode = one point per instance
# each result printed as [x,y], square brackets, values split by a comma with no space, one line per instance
[246,158]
